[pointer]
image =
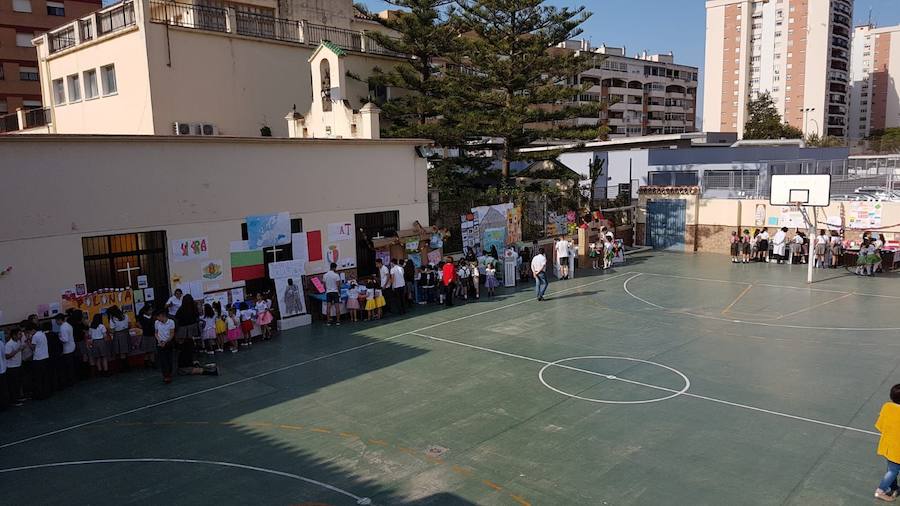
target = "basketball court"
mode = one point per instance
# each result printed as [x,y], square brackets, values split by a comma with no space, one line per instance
[677,379]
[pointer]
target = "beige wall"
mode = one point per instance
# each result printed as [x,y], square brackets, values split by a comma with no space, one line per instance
[713,97]
[130,111]
[188,187]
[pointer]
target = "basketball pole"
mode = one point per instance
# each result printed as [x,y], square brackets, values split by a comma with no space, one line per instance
[810,262]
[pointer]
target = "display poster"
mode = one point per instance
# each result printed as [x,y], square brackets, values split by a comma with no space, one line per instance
[864,214]
[210,270]
[791,218]
[287,269]
[99,302]
[416,259]
[142,281]
[195,248]
[289,293]
[434,256]
[268,230]
[338,232]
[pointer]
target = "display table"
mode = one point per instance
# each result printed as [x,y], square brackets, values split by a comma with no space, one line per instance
[342,307]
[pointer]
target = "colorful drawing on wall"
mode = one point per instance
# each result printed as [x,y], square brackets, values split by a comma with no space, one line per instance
[291,301]
[416,259]
[195,248]
[314,245]
[514,225]
[384,256]
[864,214]
[98,302]
[437,241]
[149,294]
[268,230]
[340,255]
[338,232]
[246,263]
[212,270]
[434,256]
[495,237]
[772,221]
[557,224]
[80,289]
[287,269]
[412,245]
[220,297]
[760,215]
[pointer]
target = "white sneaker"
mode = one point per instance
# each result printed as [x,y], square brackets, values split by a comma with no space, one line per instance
[884,496]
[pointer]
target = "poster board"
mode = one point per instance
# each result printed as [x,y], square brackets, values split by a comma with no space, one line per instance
[291,300]
[99,302]
[864,214]
[194,248]
[268,230]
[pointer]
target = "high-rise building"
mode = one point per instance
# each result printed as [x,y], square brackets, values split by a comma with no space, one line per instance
[649,94]
[796,50]
[21,21]
[875,80]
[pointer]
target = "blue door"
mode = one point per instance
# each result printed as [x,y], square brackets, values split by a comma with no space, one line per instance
[665,224]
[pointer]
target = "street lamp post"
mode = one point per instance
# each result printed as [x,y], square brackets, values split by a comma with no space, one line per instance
[805,122]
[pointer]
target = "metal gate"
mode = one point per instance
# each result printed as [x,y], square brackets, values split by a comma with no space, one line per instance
[665,224]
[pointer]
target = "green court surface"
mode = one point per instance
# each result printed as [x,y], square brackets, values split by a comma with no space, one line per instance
[676,379]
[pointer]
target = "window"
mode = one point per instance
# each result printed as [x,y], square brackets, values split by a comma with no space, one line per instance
[28,74]
[107,260]
[56,9]
[31,104]
[91,90]
[3,107]
[74,88]
[59,92]
[22,5]
[23,39]
[108,78]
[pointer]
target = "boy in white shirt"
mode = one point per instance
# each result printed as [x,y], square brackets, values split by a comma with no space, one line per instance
[37,340]
[165,332]
[562,257]
[12,352]
[67,361]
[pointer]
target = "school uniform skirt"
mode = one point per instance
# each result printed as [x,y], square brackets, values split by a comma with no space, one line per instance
[264,318]
[233,334]
[191,331]
[352,303]
[491,282]
[734,249]
[121,343]
[247,326]
[100,348]
[746,248]
[83,349]
[148,344]
[209,333]
[371,305]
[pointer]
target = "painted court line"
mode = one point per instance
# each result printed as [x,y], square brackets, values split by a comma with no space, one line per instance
[656,387]
[358,499]
[814,306]
[747,322]
[737,299]
[292,366]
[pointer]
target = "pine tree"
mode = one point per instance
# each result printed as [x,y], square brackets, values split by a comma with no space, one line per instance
[764,121]
[426,38]
[508,82]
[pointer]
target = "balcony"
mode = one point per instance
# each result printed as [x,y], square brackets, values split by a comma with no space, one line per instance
[103,22]
[230,20]
[24,119]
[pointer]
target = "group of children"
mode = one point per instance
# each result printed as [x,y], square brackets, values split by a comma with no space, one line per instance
[604,250]
[231,329]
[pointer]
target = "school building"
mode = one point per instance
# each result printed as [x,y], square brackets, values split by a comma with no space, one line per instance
[81,210]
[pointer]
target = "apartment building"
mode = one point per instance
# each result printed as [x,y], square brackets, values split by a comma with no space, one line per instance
[21,21]
[159,67]
[796,50]
[649,94]
[875,80]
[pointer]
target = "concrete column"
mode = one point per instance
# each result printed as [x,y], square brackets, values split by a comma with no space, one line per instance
[20,115]
[370,119]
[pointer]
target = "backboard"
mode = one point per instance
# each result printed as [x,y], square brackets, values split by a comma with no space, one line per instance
[811,190]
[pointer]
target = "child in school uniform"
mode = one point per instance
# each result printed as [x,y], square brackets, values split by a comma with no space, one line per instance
[246,315]
[232,329]
[735,247]
[474,280]
[888,425]
[380,302]
[490,279]
[462,272]
[263,317]
[12,350]
[221,326]
[99,344]
[208,332]
[746,246]
[353,301]
[121,337]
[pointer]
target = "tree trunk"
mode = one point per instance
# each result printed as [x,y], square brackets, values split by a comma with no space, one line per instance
[504,167]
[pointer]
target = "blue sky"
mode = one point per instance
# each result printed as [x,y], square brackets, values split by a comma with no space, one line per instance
[660,26]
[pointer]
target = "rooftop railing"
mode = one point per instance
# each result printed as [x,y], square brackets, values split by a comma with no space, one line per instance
[105,21]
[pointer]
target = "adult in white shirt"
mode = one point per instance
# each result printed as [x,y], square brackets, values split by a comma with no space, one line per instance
[539,271]
[332,282]
[37,340]
[66,364]
[384,274]
[12,352]
[165,333]
[174,303]
[779,242]
[562,257]
[398,289]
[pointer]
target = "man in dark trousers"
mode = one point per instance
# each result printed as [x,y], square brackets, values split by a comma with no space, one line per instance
[448,281]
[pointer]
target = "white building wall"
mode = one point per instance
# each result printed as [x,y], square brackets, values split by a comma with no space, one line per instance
[188,187]
[860,67]
[712,69]
[818,44]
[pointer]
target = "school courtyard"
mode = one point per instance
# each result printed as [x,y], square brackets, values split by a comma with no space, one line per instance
[675,379]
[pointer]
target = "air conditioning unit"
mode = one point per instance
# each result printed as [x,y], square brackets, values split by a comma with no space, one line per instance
[182,129]
[204,129]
